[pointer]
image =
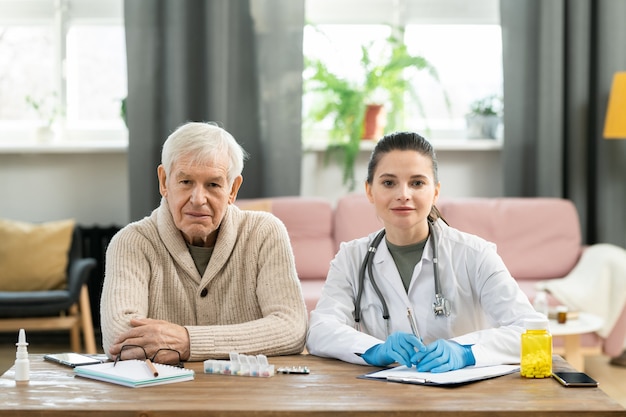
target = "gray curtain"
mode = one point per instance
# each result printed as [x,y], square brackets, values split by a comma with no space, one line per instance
[559,60]
[237,63]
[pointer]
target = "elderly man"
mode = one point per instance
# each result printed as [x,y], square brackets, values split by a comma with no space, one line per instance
[199,277]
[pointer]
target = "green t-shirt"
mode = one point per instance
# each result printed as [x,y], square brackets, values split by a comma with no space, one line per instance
[201,256]
[405,258]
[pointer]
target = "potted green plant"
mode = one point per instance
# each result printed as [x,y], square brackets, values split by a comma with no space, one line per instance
[124,110]
[344,102]
[484,117]
[47,110]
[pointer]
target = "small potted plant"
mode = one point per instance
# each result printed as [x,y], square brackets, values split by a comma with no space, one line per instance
[47,110]
[349,105]
[124,110]
[484,117]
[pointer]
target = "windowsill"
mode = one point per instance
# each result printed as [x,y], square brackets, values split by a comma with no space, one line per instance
[64,147]
[320,145]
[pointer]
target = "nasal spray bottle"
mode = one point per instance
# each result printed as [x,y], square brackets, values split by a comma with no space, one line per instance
[22,364]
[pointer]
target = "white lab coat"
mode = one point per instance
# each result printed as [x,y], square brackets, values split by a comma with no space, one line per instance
[487,306]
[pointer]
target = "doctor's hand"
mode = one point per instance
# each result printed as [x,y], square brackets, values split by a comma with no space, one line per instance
[399,347]
[442,356]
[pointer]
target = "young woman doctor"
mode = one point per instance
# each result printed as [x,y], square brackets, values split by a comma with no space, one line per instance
[465,306]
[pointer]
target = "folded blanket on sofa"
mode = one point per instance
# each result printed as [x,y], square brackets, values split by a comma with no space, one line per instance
[596,285]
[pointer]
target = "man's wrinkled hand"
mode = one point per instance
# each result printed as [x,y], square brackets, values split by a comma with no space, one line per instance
[153,335]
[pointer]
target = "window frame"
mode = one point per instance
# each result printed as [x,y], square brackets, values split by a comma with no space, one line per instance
[62,14]
[400,13]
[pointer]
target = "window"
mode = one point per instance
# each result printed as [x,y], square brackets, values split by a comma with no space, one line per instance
[462,40]
[62,62]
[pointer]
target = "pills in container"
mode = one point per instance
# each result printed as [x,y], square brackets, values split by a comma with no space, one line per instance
[536,350]
[561,314]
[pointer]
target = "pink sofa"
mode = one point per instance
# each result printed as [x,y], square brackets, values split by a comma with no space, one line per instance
[538,239]
[310,224]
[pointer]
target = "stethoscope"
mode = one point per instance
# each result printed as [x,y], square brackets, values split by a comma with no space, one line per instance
[441,306]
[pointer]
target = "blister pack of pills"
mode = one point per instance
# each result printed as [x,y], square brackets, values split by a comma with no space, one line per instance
[293,370]
[240,365]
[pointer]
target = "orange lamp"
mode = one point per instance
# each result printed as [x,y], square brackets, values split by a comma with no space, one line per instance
[615,122]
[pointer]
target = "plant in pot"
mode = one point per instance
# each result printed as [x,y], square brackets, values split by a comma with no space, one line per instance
[484,117]
[124,110]
[47,110]
[384,81]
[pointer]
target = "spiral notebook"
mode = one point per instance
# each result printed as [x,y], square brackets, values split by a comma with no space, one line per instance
[134,373]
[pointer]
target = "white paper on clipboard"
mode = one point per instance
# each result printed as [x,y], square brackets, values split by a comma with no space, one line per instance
[456,377]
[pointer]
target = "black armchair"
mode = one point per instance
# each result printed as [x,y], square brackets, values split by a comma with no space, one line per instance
[67,309]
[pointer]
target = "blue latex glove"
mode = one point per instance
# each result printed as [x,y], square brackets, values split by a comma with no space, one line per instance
[442,356]
[399,347]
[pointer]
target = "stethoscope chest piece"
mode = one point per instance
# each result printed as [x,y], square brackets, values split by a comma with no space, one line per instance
[441,306]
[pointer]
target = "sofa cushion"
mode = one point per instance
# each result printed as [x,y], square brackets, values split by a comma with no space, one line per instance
[309,223]
[255,204]
[34,256]
[355,217]
[538,238]
[312,291]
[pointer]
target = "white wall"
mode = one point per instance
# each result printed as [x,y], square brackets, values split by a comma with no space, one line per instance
[89,187]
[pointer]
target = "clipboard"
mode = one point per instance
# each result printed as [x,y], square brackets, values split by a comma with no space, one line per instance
[461,376]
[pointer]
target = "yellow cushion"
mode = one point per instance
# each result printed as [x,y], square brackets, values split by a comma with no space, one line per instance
[33,257]
[255,204]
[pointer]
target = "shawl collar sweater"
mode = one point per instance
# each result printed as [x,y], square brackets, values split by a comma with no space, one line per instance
[248,300]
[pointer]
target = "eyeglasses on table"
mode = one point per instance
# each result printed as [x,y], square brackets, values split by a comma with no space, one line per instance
[163,355]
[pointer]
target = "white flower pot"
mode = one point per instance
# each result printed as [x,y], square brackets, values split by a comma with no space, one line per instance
[44,134]
[482,127]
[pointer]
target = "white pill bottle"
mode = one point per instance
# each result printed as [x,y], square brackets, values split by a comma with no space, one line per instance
[536,350]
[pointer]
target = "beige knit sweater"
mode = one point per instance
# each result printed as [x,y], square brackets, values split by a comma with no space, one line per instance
[253,303]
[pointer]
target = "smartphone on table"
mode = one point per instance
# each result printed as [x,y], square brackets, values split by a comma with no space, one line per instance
[71,359]
[575,379]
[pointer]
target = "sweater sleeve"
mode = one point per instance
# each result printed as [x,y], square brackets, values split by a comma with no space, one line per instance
[125,291]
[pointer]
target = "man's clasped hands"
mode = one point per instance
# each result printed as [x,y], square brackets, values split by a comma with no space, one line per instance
[406,349]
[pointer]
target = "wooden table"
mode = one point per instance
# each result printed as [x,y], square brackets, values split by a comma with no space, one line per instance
[571,332]
[331,389]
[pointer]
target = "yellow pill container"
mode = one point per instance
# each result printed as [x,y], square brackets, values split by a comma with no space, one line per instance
[536,350]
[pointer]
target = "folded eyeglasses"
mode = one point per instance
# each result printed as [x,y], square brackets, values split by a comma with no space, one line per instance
[163,355]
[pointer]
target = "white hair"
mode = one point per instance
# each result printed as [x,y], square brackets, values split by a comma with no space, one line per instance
[204,141]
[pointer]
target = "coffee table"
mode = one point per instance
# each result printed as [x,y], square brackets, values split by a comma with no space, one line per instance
[571,331]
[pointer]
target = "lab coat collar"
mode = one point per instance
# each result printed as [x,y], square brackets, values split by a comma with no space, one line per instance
[386,270]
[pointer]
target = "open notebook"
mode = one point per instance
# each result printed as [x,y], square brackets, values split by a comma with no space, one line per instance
[457,377]
[134,373]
